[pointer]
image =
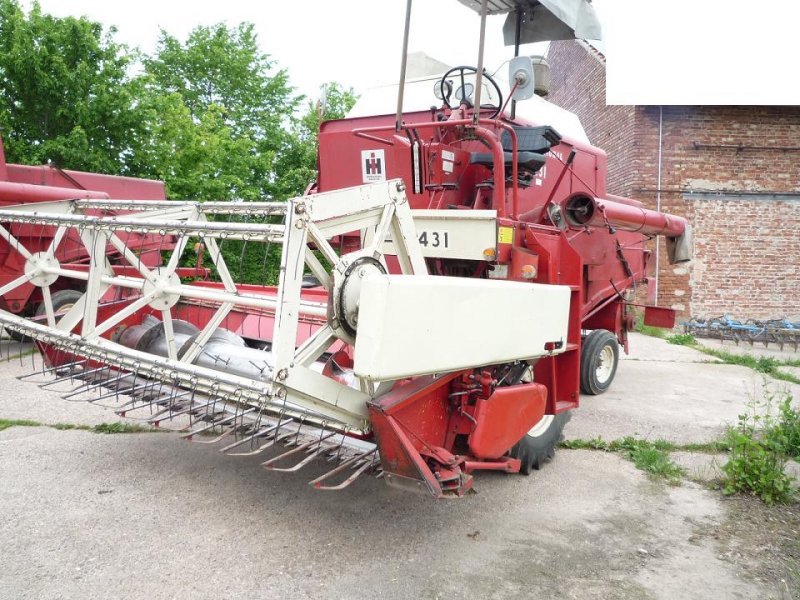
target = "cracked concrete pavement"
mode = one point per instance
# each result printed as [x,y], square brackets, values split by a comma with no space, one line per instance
[148,515]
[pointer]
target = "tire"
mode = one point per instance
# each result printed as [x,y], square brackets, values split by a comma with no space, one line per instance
[61,299]
[599,360]
[538,446]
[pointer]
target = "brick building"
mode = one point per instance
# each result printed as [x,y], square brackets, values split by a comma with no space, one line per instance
[733,171]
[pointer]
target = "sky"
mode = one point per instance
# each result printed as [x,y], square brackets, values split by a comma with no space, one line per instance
[355,42]
[676,52]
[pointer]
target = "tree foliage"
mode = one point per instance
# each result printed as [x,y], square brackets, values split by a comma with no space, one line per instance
[66,96]
[212,115]
[298,162]
[234,115]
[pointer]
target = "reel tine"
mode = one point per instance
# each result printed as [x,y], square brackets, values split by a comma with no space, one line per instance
[270,464]
[334,457]
[127,392]
[98,384]
[72,375]
[258,434]
[217,423]
[122,411]
[225,433]
[311,456]
[275,430]
[55,369]
[68,377]
[188,410]
[351,462]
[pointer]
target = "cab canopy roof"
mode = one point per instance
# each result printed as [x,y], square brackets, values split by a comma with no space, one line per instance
[543,20]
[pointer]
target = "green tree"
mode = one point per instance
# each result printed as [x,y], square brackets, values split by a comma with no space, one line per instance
[64,92]
[298,162]
[236,117]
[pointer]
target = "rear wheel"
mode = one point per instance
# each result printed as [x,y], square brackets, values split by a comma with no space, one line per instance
[539,444]
[599,359]
[63,300]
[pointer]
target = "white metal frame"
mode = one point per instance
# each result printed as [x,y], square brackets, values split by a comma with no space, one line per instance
[380,208]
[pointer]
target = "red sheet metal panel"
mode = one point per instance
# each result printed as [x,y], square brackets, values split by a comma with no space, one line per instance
[503,418]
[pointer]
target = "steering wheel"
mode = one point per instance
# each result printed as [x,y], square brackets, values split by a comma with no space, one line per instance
[447,89]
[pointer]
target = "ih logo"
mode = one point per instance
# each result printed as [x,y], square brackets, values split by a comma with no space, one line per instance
[373,166]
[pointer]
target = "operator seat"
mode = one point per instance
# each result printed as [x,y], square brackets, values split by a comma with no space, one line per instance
[532,145]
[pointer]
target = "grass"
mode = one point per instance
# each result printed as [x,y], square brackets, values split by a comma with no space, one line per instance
[656,463]
[761,364]
[120,427]
[22,354]
[682,339]
[761,445]
[626,443]
[758,447]
[117,427]
[6,423]
[651,331]
[652,457]
[717,447]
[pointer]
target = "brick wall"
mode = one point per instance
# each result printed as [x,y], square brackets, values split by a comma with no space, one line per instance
[743,202]
[752,269]
[582,90]
[746,230]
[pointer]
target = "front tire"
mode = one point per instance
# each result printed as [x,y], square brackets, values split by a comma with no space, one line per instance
[599,360]
[538,446]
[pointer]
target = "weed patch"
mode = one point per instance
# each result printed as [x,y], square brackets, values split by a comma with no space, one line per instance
[597,443]
[651,457]
[655,462]
[682,339]
[117,427]
[120,427]
[787,428]
[761,444]
[6,423]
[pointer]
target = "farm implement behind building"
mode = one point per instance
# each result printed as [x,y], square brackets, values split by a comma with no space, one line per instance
[779,332]
[453,281]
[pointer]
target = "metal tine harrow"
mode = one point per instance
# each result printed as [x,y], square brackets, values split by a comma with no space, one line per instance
[781,332]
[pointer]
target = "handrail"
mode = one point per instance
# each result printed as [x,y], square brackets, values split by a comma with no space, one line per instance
[498,154]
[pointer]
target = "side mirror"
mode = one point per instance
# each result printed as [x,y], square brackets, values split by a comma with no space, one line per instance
[520,72]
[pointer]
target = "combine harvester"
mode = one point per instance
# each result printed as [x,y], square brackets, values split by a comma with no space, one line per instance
[472,276]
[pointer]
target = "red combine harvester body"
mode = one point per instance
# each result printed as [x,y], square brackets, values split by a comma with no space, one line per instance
[472,277]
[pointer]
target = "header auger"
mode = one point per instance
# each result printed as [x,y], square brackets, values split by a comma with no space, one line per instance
[455,279]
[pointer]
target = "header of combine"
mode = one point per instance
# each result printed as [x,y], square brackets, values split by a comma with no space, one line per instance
[454,280]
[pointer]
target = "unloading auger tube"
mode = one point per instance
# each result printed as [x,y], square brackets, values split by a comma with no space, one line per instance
[351,369]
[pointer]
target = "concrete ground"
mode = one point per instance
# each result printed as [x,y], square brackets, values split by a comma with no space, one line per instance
[86,515]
